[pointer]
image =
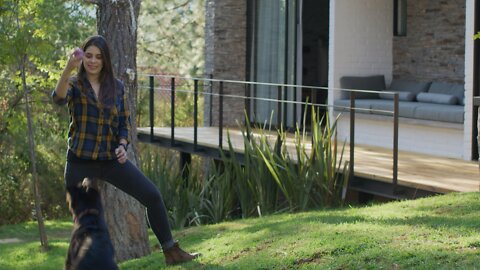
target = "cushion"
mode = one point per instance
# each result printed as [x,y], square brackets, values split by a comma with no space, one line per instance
[440,112]
[376,82]
[449,89]
[402,95]
[409,86]
[437,98]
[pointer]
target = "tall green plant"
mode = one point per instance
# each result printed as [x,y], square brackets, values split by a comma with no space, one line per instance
[326,164]
[180,200]
[255,186]
[202,198]
[308,179]
[242,182]
[217,195]
[274,175]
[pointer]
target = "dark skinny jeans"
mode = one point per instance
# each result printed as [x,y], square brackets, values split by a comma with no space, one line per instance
[132,181]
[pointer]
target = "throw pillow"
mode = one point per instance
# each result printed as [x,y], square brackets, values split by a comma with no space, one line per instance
[402,95]
[437,98]
[448,89]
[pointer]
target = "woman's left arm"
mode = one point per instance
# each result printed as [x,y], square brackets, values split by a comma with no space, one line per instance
[123,117]
[123,125]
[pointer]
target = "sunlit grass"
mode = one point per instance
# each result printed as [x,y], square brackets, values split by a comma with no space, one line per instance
[29,231]
[441,232]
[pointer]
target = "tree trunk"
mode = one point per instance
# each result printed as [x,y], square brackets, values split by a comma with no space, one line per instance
[33,161]
[117,22]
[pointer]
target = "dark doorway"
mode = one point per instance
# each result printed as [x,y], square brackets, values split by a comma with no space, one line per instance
[476,83]
[315,20]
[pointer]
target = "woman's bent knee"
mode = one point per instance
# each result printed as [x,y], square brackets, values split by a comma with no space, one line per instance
[151,198]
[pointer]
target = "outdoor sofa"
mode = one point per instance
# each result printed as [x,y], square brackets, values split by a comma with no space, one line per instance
[433,101]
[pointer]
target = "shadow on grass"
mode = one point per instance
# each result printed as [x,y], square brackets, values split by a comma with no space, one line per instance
[354,247]
[338,236]
[285,228]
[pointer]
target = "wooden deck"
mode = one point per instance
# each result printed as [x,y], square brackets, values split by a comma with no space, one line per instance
[419,171]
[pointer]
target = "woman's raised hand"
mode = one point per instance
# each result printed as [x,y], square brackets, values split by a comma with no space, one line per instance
[75,59]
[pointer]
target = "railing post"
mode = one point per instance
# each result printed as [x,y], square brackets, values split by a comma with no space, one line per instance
[278,146]
[395,142]
[247,116]
[284,106]
[220,116]
[351,167]
[247,102]
[185,165]
[295,119]
[311,107]
[152,88]
[195,113]
[279,106]
[172,112]
[210,98]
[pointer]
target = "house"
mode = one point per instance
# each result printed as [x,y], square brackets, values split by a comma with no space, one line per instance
[317,42]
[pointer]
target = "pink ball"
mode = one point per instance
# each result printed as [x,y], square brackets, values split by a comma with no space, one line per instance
[78,53]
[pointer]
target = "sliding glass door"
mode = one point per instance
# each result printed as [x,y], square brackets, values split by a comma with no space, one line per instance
[273,47]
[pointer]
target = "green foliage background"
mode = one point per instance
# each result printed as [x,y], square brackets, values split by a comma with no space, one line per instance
[45,31]
[171,37]
[171,41]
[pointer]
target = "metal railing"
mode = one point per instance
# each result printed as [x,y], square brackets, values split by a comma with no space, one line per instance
[209,82]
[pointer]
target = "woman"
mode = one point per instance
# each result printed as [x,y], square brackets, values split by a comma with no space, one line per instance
[98,137]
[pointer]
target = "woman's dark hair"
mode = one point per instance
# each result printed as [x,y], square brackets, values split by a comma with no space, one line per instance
[107,79]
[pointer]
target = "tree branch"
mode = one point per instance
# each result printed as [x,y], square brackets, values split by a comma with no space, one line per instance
[94,2]
[180,5]
[11,106]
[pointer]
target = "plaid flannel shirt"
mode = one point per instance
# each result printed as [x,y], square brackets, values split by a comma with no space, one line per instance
[95,130]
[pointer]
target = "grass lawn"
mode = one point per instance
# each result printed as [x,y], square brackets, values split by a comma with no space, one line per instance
[441,232]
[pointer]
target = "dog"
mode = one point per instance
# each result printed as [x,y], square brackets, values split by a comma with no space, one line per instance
[90,244]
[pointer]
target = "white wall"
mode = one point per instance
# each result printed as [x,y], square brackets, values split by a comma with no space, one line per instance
[361,34]
[469,32]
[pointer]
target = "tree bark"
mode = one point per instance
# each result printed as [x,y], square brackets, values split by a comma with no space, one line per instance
[117,21]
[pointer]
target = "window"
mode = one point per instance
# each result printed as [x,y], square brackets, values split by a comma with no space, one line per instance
[399,17]
[272,53]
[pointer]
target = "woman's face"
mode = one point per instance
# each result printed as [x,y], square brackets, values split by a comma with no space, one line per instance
[92,60]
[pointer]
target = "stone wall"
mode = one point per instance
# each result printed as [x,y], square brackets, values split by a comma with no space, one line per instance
[225,57]
[434,47]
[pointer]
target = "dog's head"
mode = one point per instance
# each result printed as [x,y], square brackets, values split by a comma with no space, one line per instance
[84,198]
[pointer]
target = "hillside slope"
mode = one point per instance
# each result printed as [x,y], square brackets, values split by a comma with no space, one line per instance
[441,232]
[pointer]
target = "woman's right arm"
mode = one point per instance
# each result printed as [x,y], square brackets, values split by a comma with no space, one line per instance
[64,82]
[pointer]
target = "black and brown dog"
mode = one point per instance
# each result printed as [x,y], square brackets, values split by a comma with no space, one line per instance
[90,245]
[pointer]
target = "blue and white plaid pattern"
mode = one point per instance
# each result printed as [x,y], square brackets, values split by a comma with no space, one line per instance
[95,130]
